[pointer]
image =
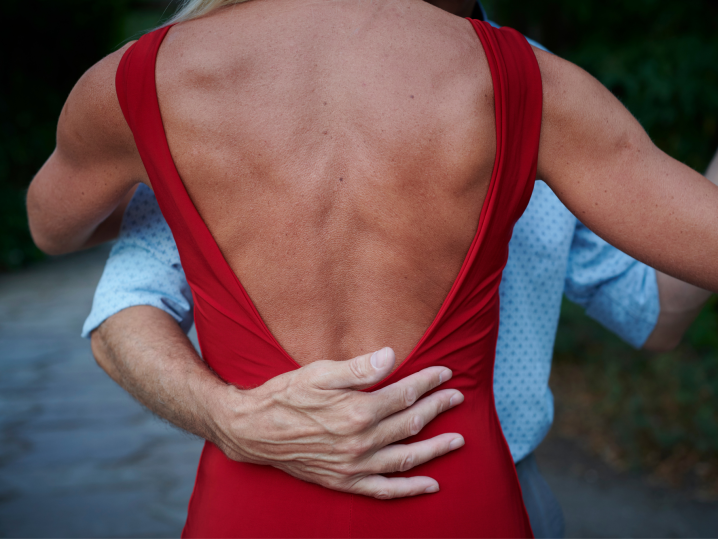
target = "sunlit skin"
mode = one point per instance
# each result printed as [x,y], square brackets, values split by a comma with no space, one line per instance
[357,227]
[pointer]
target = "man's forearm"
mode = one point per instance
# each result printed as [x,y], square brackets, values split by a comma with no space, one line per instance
[144,350]
[311,422]
[680,302]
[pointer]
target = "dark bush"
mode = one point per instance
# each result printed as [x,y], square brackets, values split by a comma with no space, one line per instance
[47,46]
[659,57]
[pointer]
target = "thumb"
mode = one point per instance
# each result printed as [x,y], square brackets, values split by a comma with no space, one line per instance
[359,372]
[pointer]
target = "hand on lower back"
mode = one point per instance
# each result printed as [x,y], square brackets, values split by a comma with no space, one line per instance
[314,424]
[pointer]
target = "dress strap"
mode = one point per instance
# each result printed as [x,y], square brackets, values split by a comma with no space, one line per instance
[518,98]
[214,284]
[471,307]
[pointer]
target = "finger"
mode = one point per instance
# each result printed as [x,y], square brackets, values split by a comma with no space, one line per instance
[400,458]
[402,394]
[385,488]
[410,421]
[361,371]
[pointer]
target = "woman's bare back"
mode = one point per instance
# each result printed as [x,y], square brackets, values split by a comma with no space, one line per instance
[341,165]
[347,222]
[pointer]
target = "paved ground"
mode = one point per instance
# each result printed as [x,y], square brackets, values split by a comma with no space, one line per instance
[79,458]
[600,502]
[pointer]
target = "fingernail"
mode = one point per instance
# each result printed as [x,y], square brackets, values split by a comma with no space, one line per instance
[444,376]
[456,443]
[380,358]
[431,489]
[456,399]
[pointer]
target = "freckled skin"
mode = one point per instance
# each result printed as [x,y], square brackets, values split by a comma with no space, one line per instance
[264,112]
[340,268]
[413,189]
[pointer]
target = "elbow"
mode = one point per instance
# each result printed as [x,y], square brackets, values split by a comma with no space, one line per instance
[39,229]
[45,232]
[46,243]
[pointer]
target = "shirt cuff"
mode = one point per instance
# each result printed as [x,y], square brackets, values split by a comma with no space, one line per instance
[629,311]
[157,284]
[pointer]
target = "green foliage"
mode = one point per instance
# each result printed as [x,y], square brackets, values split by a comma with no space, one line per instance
[653,404]
[659,57]
[48,45]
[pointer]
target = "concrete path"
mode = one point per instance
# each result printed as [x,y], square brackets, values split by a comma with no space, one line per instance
[600,502]
[80,458]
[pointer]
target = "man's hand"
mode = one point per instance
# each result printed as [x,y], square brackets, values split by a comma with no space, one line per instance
[314,424]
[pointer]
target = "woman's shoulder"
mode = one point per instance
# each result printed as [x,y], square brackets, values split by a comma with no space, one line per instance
[92,108]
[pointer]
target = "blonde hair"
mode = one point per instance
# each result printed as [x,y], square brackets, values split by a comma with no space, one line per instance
[191,9]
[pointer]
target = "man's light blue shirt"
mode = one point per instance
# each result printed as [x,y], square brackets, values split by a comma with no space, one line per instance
[550,253]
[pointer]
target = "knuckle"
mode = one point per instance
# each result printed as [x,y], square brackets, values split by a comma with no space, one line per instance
[409,395]
[406,463]
[361,421]
[383,494]
[442,404]
[358,368]
[316,373]
[346,449]
[440,449]
[416,423]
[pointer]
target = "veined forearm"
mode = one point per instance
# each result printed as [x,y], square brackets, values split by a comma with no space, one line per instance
[290,421]
[144,350]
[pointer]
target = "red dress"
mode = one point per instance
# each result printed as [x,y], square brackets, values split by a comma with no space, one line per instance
[480,494]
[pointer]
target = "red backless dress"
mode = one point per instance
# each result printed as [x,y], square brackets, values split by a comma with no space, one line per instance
[480,495]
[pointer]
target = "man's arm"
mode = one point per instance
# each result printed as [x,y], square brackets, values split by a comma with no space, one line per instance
[143,268]
[141,298]
[312,422]
[145,351]
[681,302]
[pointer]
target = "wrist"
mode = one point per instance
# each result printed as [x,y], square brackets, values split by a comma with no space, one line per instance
[227,412]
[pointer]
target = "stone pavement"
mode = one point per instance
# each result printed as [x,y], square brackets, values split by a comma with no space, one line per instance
[80,458]
[601,502]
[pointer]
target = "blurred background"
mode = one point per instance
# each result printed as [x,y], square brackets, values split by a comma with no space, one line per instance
[634,450]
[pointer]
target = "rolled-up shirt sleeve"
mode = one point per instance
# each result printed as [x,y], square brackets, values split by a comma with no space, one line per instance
[615,289]
[143,268]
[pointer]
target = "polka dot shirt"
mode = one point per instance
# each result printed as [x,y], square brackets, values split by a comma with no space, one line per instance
[550,254]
